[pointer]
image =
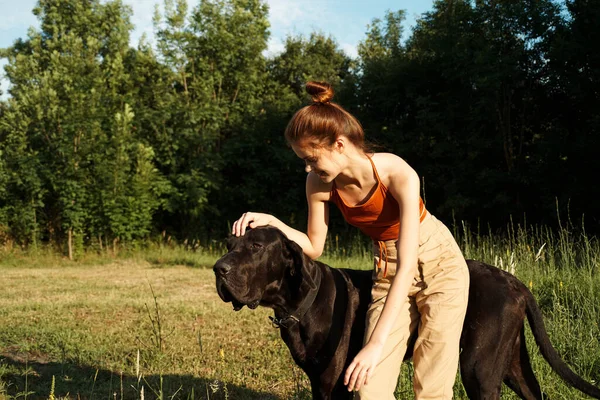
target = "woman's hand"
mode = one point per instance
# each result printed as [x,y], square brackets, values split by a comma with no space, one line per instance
[363,366]
[252,220]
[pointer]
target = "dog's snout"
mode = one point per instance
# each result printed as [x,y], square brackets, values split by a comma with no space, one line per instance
[222,268]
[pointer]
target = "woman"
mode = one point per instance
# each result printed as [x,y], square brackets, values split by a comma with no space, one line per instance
[421,279]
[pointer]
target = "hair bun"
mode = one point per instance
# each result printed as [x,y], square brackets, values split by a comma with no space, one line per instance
[321,92]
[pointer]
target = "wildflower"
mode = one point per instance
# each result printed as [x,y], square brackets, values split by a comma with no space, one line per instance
[530,285]
[222,354]
[539,253]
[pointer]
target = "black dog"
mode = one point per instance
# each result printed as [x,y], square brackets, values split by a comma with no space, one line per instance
[321,315]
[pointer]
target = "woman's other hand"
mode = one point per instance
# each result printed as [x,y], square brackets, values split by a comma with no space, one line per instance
[363,366]
[251,220]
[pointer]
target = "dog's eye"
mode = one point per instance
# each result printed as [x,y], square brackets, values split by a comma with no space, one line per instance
[256,246]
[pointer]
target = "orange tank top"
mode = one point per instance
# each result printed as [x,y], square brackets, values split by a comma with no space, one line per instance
[379,216]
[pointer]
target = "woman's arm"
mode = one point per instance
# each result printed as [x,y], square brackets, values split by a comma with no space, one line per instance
[312,242]
[405,189]
[404,186]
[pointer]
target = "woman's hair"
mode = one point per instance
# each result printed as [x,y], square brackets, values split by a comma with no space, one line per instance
[322,122]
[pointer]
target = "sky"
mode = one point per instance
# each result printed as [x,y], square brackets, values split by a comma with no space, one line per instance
[344,20]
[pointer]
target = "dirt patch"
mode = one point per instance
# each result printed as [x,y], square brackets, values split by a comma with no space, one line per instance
[14,355]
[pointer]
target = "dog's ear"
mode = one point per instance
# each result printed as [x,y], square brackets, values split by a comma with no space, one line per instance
[229,242]
[302,269]
[232,239]
[295,255]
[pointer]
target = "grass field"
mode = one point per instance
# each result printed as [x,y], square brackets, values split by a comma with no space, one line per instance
[150,325]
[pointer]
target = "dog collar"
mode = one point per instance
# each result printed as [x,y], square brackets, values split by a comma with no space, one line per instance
[282,322]
[294,317]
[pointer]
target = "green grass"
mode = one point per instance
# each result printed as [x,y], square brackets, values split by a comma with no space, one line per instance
[110,327]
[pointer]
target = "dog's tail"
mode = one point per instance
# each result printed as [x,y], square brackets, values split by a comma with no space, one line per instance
[534,315]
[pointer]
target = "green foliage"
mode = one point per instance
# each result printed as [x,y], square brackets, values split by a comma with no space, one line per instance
[261,172]
[131,185]
[495,104]
[210,88]
[468,102]
[316,58]
[61,140]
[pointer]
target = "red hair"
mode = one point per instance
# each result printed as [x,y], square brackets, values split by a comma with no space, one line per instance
[322,122]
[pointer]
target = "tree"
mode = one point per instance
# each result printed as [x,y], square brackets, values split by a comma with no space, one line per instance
[459,100]
[566,149]
[262,172]
[68,84]
[210,89]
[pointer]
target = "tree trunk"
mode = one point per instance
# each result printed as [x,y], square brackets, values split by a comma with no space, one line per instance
[503,110]
[70,244]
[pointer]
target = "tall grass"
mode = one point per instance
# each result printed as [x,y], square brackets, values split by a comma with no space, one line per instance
[561,268]
[146,322]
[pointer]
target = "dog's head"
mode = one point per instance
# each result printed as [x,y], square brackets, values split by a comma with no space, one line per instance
[263,267]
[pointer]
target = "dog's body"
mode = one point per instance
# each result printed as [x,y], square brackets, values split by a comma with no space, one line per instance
[321,314]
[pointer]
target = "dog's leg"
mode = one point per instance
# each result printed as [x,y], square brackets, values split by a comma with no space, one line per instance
[481,370]
[487,348]
[480,389]
[520,377]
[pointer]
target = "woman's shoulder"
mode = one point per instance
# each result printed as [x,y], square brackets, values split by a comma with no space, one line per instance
[390,166]
[388,162]
[386,158]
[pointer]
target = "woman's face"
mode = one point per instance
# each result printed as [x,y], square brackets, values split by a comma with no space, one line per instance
[323,161]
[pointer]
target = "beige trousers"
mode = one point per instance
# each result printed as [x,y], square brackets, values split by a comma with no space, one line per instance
[436,306]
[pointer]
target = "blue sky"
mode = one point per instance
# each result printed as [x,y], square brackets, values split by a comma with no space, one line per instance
[345,20]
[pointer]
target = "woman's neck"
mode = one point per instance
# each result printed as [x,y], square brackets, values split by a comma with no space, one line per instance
[357,171]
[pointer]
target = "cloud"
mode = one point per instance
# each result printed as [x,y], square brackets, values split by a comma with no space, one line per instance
[143,11]
[17,17]
[293,17]
[350,49]
[3,82]
[274,47]
[285,13]
[342,21]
